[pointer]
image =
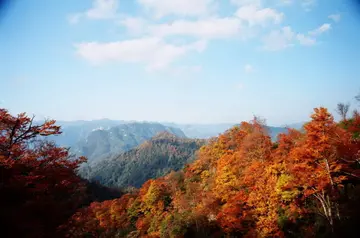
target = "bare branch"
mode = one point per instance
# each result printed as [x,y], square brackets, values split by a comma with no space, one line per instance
[343,109]
[13,131]
[24,135]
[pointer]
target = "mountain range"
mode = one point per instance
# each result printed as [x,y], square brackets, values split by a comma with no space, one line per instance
[99,139]
[103,142]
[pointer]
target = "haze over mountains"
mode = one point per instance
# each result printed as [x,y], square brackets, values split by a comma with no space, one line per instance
[102,138]
[103,141]
[125,154]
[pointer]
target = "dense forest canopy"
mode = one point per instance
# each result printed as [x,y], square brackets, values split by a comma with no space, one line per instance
[241,184]
[179,119]
[154,158]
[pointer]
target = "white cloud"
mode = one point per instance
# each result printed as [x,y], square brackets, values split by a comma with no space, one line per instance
[248,68]
[154,52]
[318,31]
[335,17]
[261,2]
[103,9]
[207,28]
[135,25]
[246,2]
[284,38]
[161,8]
[254,15]
[308,4]
[157,50]
[279,39]
[305,40]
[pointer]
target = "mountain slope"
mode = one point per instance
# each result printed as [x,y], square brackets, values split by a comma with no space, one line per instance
[75,131]
[102,143]
[242,184]
[152,159]
[99,139]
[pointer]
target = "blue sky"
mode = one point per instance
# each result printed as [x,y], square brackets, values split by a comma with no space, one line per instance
[186,61]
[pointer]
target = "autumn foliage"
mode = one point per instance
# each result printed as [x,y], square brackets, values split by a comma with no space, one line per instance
[38,185]
[244,185]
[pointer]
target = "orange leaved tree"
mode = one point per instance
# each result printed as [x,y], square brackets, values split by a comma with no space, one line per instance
[38,184]
[321,166]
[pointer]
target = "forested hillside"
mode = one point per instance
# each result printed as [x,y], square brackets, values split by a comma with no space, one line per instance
[179,119]
[102,142]
[243,184]
[76,134]
[154,158]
